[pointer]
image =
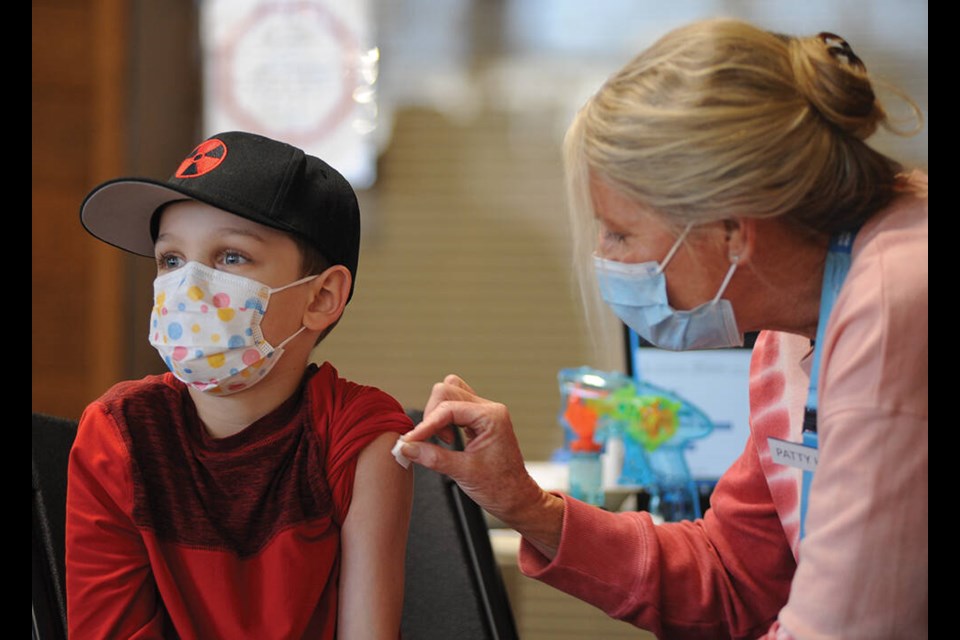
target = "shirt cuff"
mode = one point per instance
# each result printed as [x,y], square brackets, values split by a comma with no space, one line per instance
[593,542]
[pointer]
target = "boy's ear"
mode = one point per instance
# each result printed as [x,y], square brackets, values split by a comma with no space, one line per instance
[329,292]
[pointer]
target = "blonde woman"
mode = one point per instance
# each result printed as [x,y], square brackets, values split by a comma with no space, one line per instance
[728,187]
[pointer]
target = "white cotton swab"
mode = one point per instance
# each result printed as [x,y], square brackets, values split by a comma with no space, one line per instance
[402,460]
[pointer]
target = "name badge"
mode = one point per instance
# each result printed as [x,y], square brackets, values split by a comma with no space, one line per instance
[792,454]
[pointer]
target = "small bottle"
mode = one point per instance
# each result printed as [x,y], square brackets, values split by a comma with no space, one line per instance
[586,472]
[613,460]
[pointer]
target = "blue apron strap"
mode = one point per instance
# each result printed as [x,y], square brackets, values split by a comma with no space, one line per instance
[834,273]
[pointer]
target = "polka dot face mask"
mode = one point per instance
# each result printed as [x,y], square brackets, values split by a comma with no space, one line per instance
[206,326]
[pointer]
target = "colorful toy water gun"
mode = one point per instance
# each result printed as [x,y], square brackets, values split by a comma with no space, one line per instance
[654,424]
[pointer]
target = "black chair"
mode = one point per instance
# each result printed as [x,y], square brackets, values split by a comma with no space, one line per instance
[453,586]
[52,439]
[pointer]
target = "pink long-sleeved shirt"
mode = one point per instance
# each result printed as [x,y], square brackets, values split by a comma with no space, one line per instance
[742,571]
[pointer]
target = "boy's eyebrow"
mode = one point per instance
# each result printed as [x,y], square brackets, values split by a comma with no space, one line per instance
[227,231]
[242,232]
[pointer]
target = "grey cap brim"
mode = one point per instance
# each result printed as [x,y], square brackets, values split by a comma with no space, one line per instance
[119,211]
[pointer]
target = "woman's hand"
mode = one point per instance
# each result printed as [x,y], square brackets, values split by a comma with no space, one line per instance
[490,469]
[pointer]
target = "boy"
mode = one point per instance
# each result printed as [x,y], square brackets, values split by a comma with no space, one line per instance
[247,493]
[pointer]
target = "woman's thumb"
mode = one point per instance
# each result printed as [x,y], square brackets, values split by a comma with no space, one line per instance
[428,455]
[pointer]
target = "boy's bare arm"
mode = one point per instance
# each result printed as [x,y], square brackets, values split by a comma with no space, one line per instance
[374,542]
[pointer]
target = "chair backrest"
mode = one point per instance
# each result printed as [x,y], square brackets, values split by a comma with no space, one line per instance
[52,439]
[453,586]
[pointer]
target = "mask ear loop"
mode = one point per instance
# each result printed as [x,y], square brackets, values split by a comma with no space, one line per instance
[295,283]
[676,245]
[734,259]
[287,286]
[287,341]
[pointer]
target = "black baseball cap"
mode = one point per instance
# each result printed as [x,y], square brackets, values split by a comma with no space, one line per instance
[250,175]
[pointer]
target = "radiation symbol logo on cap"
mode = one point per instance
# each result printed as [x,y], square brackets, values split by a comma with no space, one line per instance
[205,158]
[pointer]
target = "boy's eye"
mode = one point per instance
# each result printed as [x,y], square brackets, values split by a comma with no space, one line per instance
[168,261]
[233,258]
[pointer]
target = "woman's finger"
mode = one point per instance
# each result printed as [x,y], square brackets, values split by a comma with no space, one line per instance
[452,388]
[454,380]
[448,413]
[434,457]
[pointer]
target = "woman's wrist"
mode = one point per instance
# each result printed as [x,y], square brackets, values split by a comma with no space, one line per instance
[540,521]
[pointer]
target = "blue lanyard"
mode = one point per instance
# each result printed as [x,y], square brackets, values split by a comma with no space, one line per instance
[835,271]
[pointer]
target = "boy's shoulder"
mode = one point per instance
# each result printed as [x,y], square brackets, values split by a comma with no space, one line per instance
[338,398]
[147,396]
[149,385]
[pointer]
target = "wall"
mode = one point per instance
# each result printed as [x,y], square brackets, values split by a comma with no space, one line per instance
[78,64]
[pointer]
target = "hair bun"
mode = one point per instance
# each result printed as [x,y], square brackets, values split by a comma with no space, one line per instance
[835,82]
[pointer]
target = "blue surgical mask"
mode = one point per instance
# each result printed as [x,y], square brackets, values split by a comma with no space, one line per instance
[637,293]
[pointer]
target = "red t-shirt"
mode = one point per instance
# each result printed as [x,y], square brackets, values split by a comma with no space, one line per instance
[174,534]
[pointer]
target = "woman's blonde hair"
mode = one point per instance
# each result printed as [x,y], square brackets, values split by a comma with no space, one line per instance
[720,118]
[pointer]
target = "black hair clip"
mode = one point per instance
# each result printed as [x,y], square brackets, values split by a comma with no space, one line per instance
[840,49]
